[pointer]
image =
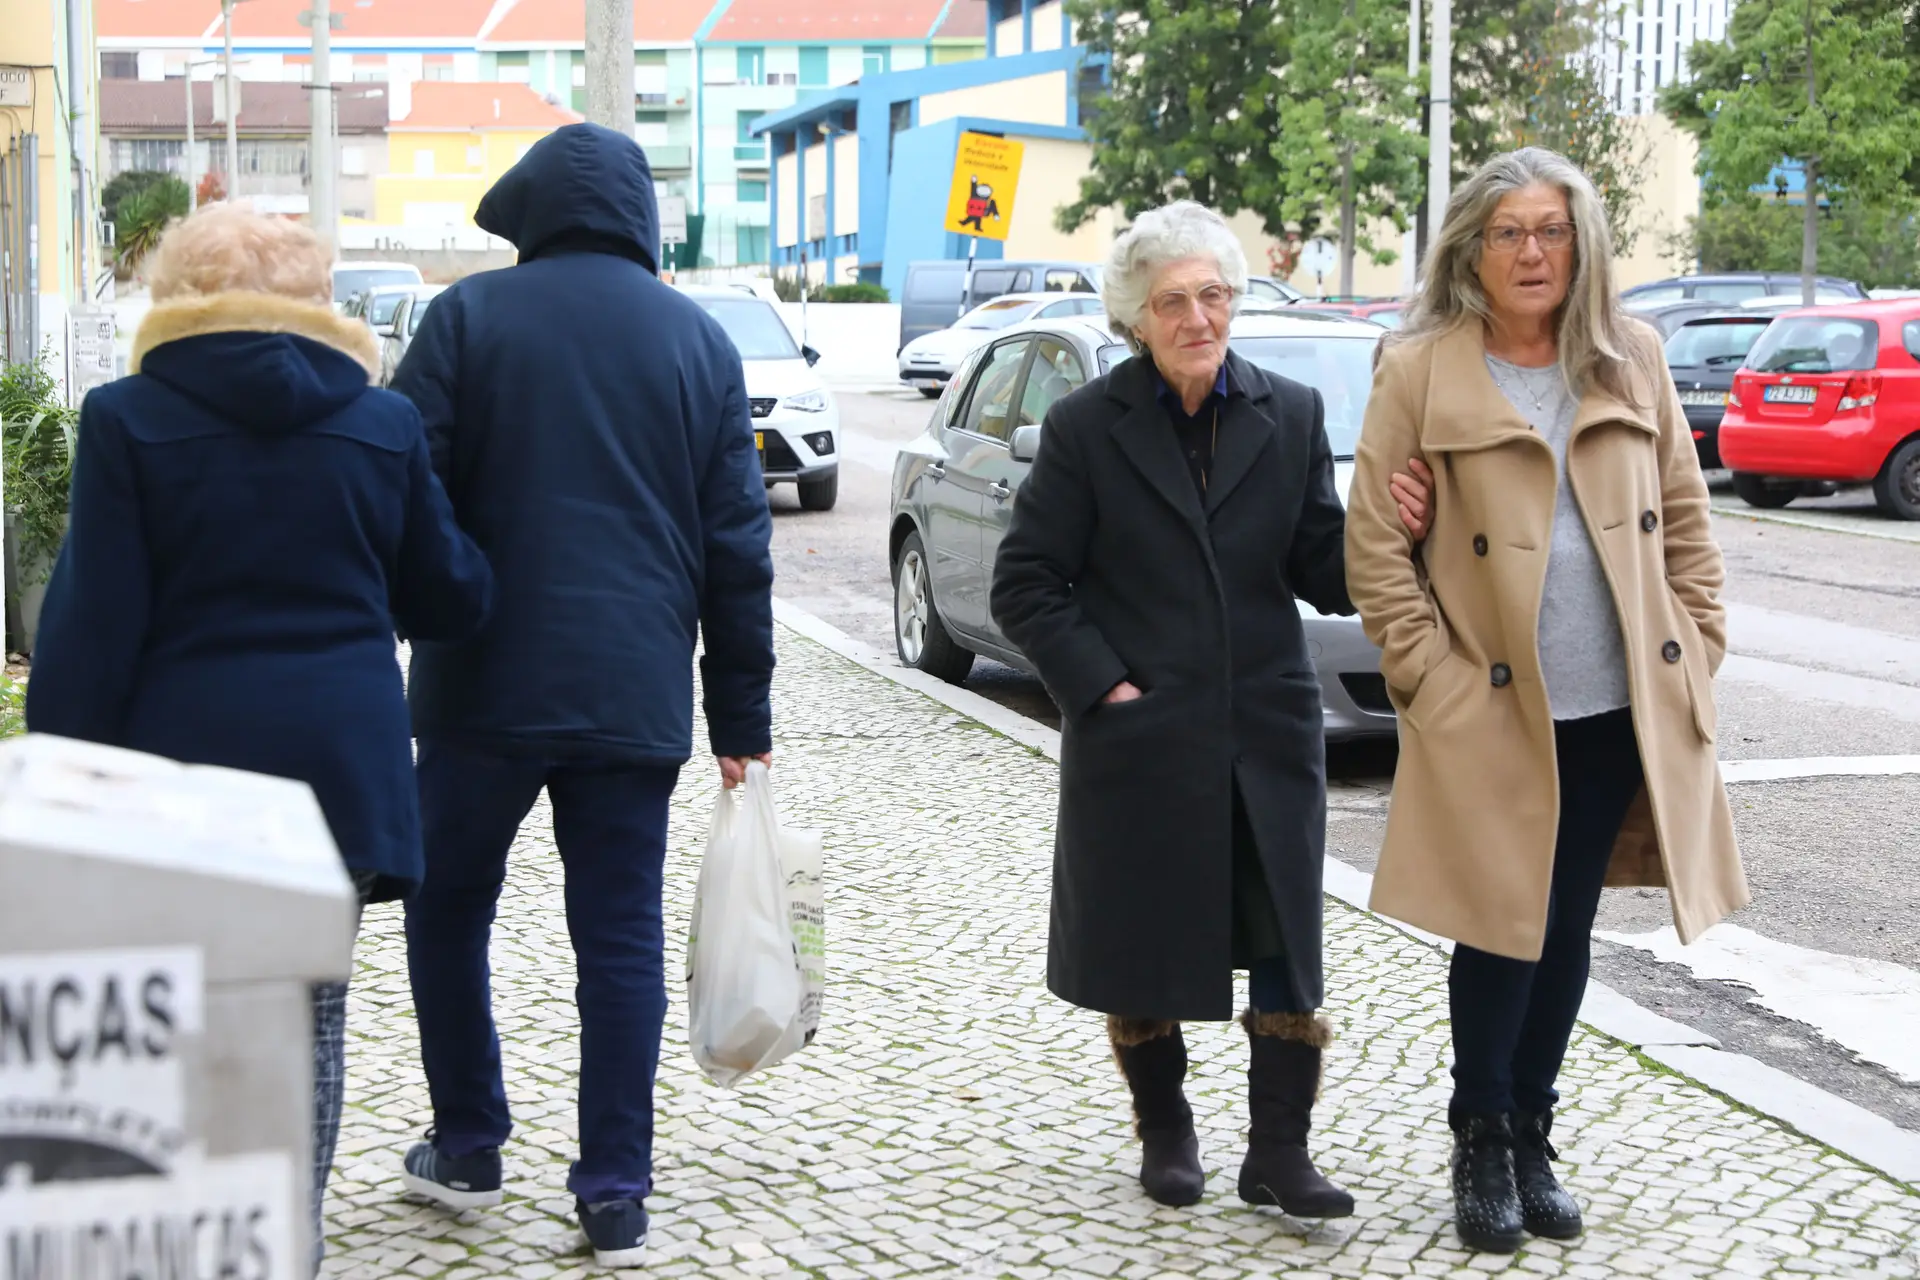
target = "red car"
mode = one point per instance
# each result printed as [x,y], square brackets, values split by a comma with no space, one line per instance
[1382,311]
[1829,396]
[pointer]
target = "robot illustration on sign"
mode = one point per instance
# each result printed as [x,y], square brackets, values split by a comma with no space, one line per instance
[980,204]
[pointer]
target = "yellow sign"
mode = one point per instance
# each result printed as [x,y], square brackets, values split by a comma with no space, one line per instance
[985,172]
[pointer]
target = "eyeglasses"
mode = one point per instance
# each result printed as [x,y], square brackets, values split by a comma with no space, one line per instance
[1555,235]
[1215,299]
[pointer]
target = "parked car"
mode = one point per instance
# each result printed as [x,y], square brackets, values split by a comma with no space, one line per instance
[1732,287]
[1830,397]
[796,423]
[375,307]
[1267,292]
[1702,355]
[929,360]
[938,293]
[406,322]
[1667,317]
[1385,312]
[350,278]
[955,487]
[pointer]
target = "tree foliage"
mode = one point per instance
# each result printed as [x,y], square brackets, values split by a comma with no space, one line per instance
[125,186]
[144,216]
[1566,110]
[1878,247]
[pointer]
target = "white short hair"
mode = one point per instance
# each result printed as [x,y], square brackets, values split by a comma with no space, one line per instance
[1183,229]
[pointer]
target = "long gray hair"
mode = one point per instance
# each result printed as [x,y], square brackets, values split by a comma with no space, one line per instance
[1592,332]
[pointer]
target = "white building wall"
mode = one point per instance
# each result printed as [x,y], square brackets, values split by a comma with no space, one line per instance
[1643,48]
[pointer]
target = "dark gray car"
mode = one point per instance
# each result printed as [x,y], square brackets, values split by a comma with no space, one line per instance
[955,487]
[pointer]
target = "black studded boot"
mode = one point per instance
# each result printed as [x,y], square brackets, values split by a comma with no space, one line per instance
[1283,1082]
[1486,1203]
[1153,1058]
[1546,1209]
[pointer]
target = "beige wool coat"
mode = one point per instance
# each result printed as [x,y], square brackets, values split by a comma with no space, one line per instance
[1470,835]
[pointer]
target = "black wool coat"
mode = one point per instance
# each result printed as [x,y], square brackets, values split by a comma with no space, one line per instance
[1116,567]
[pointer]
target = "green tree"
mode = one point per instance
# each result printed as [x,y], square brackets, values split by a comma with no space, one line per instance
[1821,84]
[125,186]
[1878,247]
[1346,153]
[1567,111]
[1191,111]
[144,216]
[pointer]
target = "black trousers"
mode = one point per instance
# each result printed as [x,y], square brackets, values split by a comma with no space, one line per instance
[1512,1018]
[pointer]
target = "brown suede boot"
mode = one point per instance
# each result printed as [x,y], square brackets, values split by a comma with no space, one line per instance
[1283,1082]
[1153,1058]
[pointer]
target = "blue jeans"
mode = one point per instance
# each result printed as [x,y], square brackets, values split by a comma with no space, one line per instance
[610,823]
[1512,1019]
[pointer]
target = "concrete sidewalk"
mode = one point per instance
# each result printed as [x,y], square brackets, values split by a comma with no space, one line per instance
[956,1120]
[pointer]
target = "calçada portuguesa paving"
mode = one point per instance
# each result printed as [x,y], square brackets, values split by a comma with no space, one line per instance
[954,1119]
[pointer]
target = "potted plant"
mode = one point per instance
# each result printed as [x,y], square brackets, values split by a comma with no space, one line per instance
[37,429]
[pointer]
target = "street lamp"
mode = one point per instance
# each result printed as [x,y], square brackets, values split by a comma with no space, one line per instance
[232,99]
[193,159]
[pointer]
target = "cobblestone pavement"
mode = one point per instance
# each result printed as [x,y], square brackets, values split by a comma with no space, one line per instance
[956,1120]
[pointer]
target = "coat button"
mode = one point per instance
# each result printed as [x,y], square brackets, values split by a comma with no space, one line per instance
[1479,544]
[1502,675]
[1648,521]
[1670,651]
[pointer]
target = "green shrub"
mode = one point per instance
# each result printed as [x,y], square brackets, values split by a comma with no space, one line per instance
[853,293]
[144,215]
[13,707]
[37,431]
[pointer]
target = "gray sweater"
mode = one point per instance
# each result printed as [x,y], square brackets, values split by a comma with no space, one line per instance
[1582,656]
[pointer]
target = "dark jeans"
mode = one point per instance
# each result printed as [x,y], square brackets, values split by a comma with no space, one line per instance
[1512,1018]
[610,823]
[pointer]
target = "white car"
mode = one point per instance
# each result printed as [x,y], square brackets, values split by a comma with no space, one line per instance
[356,277]
[796,423]
[929,360]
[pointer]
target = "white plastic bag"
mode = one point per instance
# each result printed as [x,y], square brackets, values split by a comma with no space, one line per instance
[752,998]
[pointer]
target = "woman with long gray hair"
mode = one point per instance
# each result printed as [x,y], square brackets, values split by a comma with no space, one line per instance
[1550,649]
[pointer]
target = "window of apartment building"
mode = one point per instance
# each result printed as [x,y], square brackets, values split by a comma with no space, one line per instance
[512,67]
[876,60]
[749,244]
[423,163]
[751,64]
[353,162]
[579,60]
[437,67]
[750,191]
[475,157]
[813,65]
[158,155]
[743,128]
[119,66]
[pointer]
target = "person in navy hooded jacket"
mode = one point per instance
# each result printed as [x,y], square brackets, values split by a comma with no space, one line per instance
[251,519]
[593,431]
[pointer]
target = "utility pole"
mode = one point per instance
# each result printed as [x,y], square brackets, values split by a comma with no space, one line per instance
[1440,125]
[1810,195]
[1413,243]
[610,64]
[322,209]
[232,95]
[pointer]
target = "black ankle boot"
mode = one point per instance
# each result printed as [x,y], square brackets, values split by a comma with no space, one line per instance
[1486,1204]
[1545,1207]
[1283,1081]
[1153,1058]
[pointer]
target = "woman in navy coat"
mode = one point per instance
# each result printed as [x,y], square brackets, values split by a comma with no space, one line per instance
[252,520]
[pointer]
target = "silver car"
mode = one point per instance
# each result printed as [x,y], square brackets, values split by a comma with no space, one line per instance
[404,323]
[955,487]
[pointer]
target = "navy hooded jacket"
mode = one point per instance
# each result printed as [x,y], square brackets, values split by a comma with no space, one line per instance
[250,522]
[592,428]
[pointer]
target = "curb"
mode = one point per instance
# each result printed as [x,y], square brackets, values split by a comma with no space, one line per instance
[1801,522]
[1849,1129]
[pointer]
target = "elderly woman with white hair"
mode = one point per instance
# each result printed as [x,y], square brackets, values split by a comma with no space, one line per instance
[1550,648]
[251,521]
[1175,509]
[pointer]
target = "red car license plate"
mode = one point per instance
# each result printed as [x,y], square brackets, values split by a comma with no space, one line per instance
[1780,393]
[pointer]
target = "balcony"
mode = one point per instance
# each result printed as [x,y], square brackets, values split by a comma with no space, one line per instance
[667,158]
[674,98]
[751,155]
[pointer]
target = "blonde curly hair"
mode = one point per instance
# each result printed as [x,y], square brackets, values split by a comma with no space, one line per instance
[230,248]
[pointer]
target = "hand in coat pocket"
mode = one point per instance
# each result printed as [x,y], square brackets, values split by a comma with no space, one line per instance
[1125,691]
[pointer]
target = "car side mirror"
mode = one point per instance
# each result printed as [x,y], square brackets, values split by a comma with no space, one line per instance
[813,357]
[1025,443]
[382,330]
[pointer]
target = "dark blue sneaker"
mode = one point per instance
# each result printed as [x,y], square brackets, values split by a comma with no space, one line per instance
[617,1230]
[457,1182]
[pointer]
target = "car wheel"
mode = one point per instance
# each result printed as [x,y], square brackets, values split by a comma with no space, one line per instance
[919,635]
[931,393]
[1897,487]
[1758,491]
[819,495]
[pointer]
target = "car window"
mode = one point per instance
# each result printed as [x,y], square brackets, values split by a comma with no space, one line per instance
[1730,290]
[1022,282]
[1911,334]
[990,408]
[756,329]
[997,314]
[1111,357]
[1657,295]
[1265,289]
[383,306]
[956,395]
[992,283]
[1815,344]
[417,313]
[1056,370]
[1065,282]
[937,284]
[349,281]
[1340,369]
[1713,343]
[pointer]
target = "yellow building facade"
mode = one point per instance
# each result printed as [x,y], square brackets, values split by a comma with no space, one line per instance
[50,235]
[451,145]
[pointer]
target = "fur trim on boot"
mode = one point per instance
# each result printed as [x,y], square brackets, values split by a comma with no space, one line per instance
[1307,1028]
[1124,1033]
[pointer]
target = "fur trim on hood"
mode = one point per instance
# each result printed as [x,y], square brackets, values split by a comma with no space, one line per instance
[191,317]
